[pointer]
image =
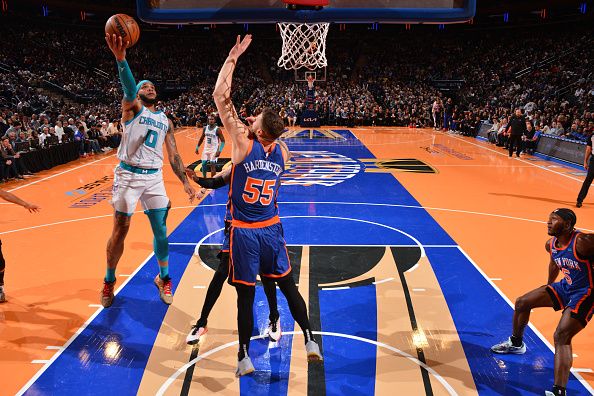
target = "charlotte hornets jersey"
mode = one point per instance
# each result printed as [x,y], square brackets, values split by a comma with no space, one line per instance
[211,140]
[254,184]
[142,140]
[577,272]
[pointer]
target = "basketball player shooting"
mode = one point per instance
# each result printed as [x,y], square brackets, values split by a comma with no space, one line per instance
[139,176]
[256,237]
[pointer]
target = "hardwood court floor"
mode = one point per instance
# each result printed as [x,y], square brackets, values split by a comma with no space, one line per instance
[493,207]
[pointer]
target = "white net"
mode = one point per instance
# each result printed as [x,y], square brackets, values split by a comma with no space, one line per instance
[304,45]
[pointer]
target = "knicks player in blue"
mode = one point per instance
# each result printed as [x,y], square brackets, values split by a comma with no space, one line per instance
[256,242]
[222,272]
[139,176]
[572,255]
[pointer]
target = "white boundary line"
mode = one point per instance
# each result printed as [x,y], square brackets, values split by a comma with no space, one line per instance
[383,281]
[363,221]
[536,331]
[192,362]
[515,159]
[200,243]
[78,332]
[61,173]
[318,244]
[301,203]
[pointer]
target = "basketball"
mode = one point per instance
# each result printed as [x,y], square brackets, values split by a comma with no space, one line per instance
[125,26]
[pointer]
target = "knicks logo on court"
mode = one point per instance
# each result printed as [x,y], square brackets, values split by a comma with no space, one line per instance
[322,168]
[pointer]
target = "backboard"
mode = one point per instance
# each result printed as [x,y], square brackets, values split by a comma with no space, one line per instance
[272,11]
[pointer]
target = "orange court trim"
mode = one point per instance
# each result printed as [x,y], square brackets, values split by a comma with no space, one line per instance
[278,276]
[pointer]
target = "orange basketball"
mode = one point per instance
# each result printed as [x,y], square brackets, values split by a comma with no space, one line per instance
[125,26]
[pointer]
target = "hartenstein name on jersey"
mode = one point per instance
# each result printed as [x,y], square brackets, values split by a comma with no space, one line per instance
[263,165]
[155,124]
[563,262]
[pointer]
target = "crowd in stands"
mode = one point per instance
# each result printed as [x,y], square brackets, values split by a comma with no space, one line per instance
[58,86]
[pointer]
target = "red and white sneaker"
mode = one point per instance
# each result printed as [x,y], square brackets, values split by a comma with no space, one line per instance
[164,287]
[107,294]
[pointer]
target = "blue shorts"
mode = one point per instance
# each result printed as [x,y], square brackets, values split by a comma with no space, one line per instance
[257,250]
[579,301]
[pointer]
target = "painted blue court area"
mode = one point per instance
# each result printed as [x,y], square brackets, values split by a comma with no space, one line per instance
[327,205]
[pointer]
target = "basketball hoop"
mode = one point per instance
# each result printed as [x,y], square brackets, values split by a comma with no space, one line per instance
[304,45]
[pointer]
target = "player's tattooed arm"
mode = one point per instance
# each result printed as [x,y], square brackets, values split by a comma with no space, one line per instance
[176,162]
[222,97]
[285,148]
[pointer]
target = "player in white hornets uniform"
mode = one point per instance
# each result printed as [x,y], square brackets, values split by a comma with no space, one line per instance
[212,149]
[139,177]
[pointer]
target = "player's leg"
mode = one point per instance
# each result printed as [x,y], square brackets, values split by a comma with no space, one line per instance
[244,260]
[567,328]
[274,326]
[125,195]
[245,325]
[540,297]
[2,267]
[275,265]
[212,295]
[205,160]
[156,206]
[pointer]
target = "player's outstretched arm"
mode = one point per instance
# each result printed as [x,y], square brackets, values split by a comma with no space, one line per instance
[222,98]
[5,195]
[286,152]
[176,162]
[130,103]
[219,180]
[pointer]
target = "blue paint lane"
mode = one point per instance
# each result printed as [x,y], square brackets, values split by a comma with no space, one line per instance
[110,355]
[272,361]
[349,365]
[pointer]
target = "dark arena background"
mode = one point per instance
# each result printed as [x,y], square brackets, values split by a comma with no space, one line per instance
[428,150]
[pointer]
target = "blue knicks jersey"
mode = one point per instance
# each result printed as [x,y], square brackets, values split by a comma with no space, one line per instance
[254,184]
[577,272]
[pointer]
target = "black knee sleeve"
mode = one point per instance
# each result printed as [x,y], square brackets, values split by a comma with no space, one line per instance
[269,286]
[296,305]
[214,288]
